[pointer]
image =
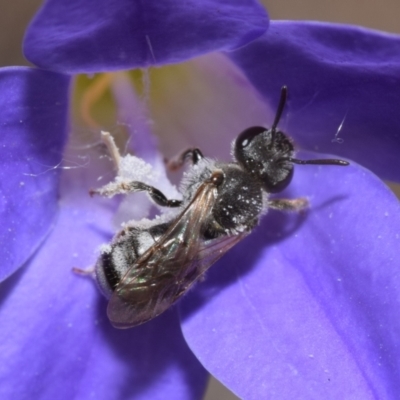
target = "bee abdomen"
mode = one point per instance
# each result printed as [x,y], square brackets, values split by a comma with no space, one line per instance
[110,272]
[116,259]
[114,262]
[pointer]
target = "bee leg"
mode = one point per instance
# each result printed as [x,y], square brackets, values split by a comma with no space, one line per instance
[195,155]
[288,204]
[156,195]
[123,188]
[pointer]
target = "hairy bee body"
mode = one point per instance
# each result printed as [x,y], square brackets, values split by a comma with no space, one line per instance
[237,207]
[126,247]
[149,265]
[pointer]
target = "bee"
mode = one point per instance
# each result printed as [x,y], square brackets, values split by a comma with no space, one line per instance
[149,266]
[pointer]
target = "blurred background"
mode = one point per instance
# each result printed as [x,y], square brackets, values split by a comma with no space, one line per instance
[376,14]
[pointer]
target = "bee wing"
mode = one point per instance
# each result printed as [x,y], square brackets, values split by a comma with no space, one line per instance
[167,269]
[212,250]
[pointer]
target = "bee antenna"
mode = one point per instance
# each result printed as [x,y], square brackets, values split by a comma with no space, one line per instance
[327,161]
[281,106]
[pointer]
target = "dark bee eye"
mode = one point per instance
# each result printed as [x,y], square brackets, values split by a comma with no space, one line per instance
[245,138]
[279,179]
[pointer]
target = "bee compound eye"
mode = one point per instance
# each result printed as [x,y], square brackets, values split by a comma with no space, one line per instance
[279,180]
[245,138]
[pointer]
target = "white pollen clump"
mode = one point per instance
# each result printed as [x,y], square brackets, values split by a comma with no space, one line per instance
[136,204]
[132,168]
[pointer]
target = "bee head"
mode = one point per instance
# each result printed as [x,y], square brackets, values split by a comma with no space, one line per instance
[267,154]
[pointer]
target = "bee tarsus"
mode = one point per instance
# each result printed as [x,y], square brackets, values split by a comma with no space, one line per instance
[194,155]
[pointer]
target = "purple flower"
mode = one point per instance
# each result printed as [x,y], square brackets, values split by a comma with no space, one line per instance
[305,307]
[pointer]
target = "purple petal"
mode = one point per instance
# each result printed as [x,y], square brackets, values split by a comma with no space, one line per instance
[307,306]
[101,35]
[33,107]
[205,102]
[55,339]
[336,74]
